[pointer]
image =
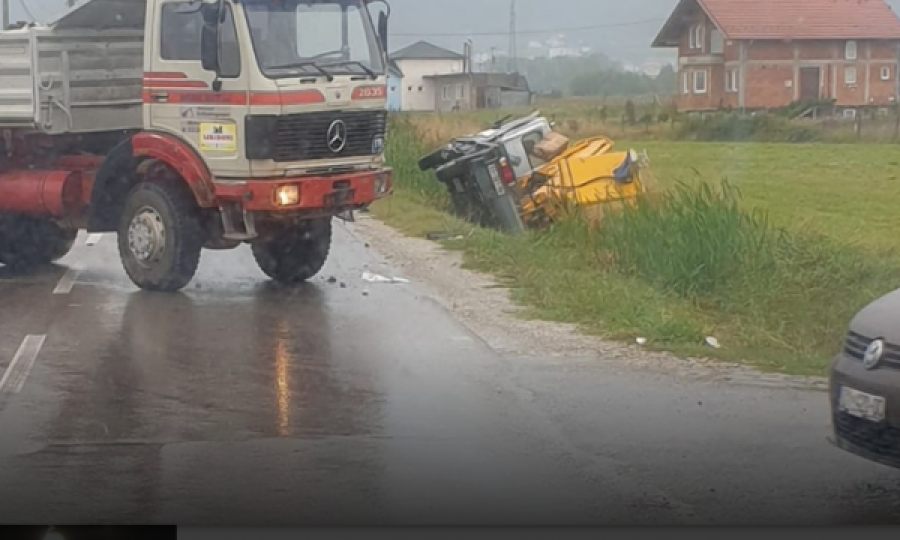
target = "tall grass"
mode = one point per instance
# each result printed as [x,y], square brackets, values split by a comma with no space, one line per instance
[766,287]
[403,150]
[692,240]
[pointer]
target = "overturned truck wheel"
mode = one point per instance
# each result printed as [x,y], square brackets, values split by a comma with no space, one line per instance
[160,237]
[294,256]
[28,242]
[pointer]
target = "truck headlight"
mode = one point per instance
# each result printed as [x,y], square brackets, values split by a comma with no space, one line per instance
[381,184]
[378,145]
[287,195]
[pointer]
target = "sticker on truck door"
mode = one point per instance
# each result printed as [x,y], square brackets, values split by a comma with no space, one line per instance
[218,137]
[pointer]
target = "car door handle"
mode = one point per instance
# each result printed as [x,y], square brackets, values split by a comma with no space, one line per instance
[160,97]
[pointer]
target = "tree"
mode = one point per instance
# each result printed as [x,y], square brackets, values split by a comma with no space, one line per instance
[630,112]
[667,80]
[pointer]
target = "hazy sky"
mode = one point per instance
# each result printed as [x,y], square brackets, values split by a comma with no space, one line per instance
[622,30]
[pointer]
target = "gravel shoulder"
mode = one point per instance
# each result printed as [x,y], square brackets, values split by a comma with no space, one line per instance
[486,309]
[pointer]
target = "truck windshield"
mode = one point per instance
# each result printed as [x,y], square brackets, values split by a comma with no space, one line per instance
[313,37]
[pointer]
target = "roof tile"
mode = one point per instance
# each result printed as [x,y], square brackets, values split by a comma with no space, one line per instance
[804,19]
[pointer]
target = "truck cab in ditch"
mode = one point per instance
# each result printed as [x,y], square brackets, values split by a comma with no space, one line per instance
[183,125]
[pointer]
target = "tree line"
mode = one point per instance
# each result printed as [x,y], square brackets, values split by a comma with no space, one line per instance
[596,75]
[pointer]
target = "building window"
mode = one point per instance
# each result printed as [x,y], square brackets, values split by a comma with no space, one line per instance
[420,89]
[850,75]
[459,92]
[446,93]
[716,42]
[850,50]
[685,84]
[697,36]
[886,73]
[700,81]
[732,78]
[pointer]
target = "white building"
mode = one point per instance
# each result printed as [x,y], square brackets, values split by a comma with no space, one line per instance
[418,62]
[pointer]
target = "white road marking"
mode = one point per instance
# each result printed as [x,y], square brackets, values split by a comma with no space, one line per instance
[93,239]
[67,281]
[21,365]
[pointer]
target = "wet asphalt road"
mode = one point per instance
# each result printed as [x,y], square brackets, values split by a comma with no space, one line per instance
[239,403]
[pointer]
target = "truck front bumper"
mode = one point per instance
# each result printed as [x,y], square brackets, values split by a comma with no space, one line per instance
[308,193]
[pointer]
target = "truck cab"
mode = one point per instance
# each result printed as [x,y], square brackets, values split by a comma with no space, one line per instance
[210,124]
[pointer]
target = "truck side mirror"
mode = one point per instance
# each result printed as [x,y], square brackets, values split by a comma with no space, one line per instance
[209,48]
[209,38]
[383,30]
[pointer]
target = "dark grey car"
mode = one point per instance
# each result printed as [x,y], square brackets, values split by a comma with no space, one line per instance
[865,384]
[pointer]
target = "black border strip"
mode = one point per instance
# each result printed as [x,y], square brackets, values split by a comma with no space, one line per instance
[717,533]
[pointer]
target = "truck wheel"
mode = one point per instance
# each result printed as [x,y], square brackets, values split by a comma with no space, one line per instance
[27,242]
[294,257]
[160,237]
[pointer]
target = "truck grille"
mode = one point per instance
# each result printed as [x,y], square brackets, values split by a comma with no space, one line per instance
[856,344]
[305,136]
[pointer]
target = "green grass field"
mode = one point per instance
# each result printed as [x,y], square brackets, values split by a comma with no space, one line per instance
[847,192]
[700,263]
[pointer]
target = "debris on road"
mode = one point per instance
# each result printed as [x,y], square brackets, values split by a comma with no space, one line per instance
[375,278]
[713,342]
[332,279]
[641,341]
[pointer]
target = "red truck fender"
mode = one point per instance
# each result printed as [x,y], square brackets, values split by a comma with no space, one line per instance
[180,157]
[115,177]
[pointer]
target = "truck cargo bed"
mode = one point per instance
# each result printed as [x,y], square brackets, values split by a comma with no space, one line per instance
[82,73]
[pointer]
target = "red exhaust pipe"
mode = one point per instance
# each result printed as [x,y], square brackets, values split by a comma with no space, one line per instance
[56,194]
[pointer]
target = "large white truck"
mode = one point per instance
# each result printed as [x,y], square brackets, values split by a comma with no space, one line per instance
[190,125]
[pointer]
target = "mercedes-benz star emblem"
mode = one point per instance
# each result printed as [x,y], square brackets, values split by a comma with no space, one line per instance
[873,354]
[337,136]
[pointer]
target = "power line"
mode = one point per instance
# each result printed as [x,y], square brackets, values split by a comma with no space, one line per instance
[544,31]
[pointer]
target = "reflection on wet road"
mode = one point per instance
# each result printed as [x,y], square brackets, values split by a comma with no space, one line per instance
[239,402]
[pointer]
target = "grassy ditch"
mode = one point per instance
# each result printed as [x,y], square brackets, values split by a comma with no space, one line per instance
[695,260]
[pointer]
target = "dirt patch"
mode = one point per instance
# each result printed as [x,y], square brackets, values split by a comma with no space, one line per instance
[487,310]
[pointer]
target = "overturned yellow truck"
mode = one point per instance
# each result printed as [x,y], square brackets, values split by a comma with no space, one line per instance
[526,175]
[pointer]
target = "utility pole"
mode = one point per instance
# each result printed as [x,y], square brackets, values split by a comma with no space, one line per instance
[5,14]
[513,48]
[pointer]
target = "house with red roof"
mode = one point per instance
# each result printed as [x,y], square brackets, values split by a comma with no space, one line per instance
[766,54]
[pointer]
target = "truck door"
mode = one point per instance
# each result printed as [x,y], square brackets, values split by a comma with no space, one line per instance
[180,94]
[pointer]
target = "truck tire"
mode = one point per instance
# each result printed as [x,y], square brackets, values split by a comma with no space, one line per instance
[28,242]
[294,257]
[160,237]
